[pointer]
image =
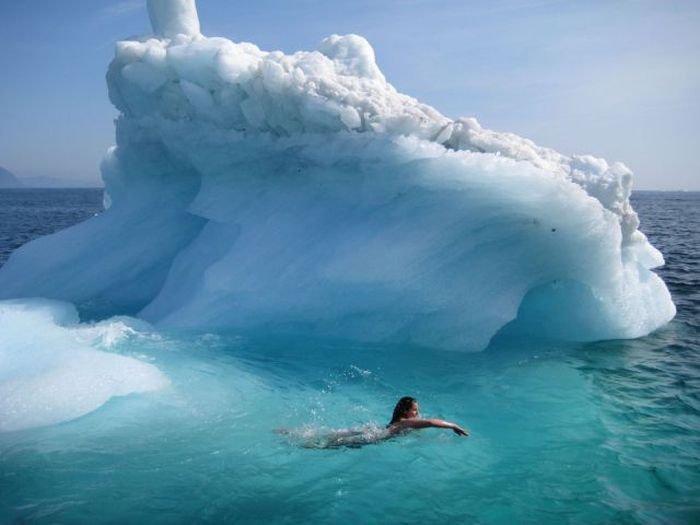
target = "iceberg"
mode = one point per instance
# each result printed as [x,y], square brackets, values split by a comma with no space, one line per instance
[303,193]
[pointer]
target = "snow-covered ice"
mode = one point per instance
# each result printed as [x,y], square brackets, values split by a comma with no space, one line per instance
[303,193]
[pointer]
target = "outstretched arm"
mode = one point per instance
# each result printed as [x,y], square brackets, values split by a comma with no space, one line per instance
[430,423]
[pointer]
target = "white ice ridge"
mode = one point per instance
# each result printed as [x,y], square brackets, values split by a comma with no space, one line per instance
[259,190]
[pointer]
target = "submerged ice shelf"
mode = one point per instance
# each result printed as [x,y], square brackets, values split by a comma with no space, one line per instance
[303,193]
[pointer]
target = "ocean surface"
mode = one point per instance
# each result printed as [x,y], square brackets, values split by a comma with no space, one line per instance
[607,432]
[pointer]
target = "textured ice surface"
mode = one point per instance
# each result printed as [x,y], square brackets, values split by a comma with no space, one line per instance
[52,369]
[303,193]
[170,18]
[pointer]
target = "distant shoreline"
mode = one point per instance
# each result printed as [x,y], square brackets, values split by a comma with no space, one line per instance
[45,188]
[24,188]
[665,191]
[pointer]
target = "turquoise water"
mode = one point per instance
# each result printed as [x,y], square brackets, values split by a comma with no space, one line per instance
[561,433]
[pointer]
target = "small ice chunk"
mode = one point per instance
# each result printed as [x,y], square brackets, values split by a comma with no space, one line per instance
[353,56]
[53,369]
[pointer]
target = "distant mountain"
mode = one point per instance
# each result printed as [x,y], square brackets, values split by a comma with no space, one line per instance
[8,180]
[50,182]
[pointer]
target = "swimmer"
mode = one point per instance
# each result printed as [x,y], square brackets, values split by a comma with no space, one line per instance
[406,417]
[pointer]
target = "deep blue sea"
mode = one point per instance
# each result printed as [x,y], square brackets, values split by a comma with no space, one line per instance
[606,432]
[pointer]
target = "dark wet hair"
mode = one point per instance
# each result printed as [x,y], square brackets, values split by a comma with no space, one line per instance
[402,408]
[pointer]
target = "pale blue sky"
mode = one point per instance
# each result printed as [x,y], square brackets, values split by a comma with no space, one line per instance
[617,79]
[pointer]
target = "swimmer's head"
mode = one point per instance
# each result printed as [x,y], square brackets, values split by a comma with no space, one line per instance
[406,408]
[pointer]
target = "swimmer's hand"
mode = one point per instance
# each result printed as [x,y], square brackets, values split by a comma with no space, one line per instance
[460,431]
